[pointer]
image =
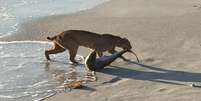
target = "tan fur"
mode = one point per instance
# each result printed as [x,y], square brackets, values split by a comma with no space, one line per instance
[72,39]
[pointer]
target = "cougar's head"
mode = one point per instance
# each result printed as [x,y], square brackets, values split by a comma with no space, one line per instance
[124,43]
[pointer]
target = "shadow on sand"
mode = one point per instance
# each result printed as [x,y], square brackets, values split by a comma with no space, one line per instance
[156,74]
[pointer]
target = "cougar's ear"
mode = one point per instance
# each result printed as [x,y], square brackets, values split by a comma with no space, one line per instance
[125,38]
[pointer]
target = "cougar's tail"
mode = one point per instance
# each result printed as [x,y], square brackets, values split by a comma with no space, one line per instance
[51,38]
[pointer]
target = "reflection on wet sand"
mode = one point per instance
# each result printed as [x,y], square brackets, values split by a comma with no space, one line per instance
[71,77]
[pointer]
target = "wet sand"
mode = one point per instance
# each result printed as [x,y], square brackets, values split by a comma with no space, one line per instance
[165,35]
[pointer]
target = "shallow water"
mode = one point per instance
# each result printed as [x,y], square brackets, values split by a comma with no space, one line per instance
[26,75]
[14,12]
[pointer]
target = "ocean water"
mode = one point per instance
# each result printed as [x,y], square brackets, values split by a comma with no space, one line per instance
[25,73]
[14,12]
[27,76]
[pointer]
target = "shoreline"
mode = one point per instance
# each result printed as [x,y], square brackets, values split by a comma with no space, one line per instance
[100,15]
[165,34]
[9,36]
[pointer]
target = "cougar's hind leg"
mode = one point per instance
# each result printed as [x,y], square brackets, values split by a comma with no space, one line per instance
[55,50]
[112,51]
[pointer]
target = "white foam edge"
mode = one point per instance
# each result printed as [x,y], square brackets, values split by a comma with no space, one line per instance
[4,35]
[8,97]
[34,42]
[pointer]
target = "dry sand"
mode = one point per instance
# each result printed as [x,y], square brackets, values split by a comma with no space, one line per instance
[164,33]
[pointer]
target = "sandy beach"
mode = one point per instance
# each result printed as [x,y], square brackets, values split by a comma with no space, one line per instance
[165,35]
